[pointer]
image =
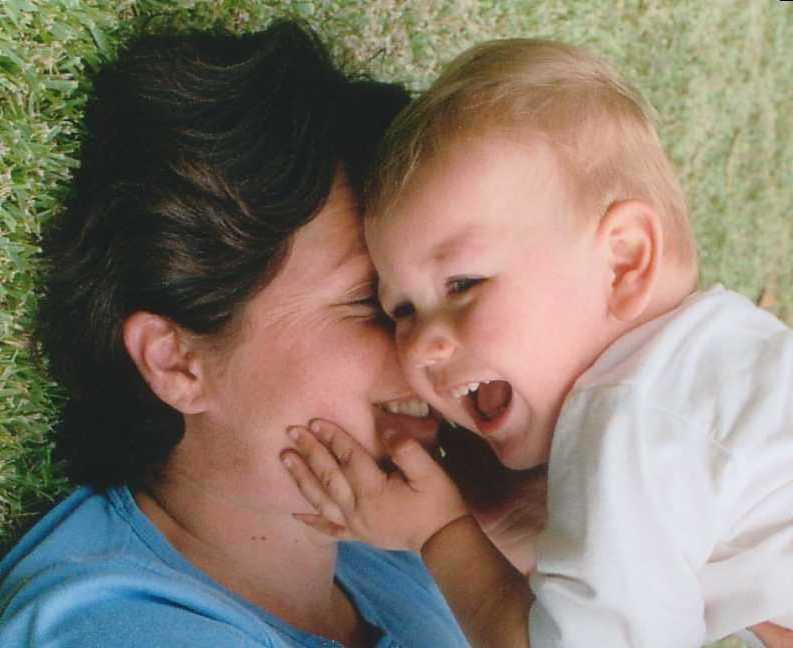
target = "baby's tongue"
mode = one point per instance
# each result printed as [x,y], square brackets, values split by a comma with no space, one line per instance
[493,398]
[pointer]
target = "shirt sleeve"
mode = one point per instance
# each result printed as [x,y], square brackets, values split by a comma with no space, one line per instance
[632,515]
[70,607]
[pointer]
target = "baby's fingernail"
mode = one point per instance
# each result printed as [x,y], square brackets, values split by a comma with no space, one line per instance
[320,429]
[288,461]
[293,432]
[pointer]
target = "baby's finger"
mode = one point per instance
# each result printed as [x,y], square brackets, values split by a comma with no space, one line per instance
[363,474]
[319,523]
[411,458]
[311,489]
[324,466]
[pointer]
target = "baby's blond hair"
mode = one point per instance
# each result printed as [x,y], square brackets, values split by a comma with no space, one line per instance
[600,128]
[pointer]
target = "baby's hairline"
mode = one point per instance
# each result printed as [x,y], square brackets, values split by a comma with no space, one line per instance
[381,208]
[601,128]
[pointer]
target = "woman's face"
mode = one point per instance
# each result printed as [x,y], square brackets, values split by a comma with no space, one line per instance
[311,344]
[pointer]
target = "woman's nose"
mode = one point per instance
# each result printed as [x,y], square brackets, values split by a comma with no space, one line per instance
[428,344]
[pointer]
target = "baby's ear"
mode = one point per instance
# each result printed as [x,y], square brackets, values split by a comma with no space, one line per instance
[632,236]
[161,352]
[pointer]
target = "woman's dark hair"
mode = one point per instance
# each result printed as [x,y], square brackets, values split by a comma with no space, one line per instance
[204,154]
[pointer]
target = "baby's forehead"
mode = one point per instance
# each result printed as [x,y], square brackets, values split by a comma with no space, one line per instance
[474,157]
[501,161]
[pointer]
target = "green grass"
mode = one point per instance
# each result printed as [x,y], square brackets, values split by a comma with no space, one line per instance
[720,74]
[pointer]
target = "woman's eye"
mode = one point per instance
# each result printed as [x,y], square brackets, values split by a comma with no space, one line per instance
[458,285]
[401,311]
[365,307]
[368,302]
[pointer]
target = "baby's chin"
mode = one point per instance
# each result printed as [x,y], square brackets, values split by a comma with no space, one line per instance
[517,453]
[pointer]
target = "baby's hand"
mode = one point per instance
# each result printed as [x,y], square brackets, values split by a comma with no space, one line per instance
[355,499]
[774,636]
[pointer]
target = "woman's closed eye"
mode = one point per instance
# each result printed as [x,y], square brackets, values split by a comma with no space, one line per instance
[368,306]
[364,304]
[459,285]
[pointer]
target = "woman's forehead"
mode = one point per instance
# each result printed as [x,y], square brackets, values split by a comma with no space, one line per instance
[331,244]
[326,263]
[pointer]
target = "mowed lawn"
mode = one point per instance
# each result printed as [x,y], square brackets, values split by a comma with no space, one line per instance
[720,74]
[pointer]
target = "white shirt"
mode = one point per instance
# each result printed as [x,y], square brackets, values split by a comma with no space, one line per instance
[671,485]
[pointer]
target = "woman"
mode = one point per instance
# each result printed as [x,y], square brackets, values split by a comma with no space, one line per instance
[207,285]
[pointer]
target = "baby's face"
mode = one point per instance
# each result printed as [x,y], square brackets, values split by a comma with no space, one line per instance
[495,289]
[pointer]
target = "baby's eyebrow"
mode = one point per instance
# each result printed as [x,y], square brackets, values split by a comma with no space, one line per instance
[462,242]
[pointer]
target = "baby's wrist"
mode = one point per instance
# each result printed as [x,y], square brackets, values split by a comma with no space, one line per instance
[444,533]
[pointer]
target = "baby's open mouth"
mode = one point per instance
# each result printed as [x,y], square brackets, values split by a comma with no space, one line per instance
[485,400]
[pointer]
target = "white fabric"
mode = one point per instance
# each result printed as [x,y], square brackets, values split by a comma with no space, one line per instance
[671,485]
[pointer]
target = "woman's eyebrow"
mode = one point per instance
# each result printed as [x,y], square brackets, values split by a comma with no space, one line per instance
[366,284]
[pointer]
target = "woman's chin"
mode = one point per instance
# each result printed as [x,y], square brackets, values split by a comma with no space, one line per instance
[318,539]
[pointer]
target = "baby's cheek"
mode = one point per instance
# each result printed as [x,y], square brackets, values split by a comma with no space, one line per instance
[419,383]
[482,325]
[497,328]
[401,340]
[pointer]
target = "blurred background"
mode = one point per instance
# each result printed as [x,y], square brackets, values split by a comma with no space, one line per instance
[720,74]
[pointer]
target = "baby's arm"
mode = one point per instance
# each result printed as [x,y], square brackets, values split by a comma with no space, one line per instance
[774,636]
[510,505]
[417,508]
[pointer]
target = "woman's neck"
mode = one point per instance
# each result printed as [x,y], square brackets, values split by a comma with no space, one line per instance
[268,558]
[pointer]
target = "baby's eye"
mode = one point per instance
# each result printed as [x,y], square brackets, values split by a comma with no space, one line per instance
[458,285]
[401,311]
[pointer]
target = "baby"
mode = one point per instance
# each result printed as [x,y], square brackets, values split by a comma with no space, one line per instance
[534,251]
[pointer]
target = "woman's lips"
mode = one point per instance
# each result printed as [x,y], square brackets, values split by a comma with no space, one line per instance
[424,429]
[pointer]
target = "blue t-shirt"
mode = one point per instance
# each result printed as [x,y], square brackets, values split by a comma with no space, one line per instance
[96,572]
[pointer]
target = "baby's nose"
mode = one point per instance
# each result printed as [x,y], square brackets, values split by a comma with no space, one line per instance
[430,346]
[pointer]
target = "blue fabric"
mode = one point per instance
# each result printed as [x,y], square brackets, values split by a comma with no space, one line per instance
[96,572]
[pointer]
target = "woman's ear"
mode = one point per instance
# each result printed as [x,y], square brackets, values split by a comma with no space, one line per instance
[633,238]
[159,350]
